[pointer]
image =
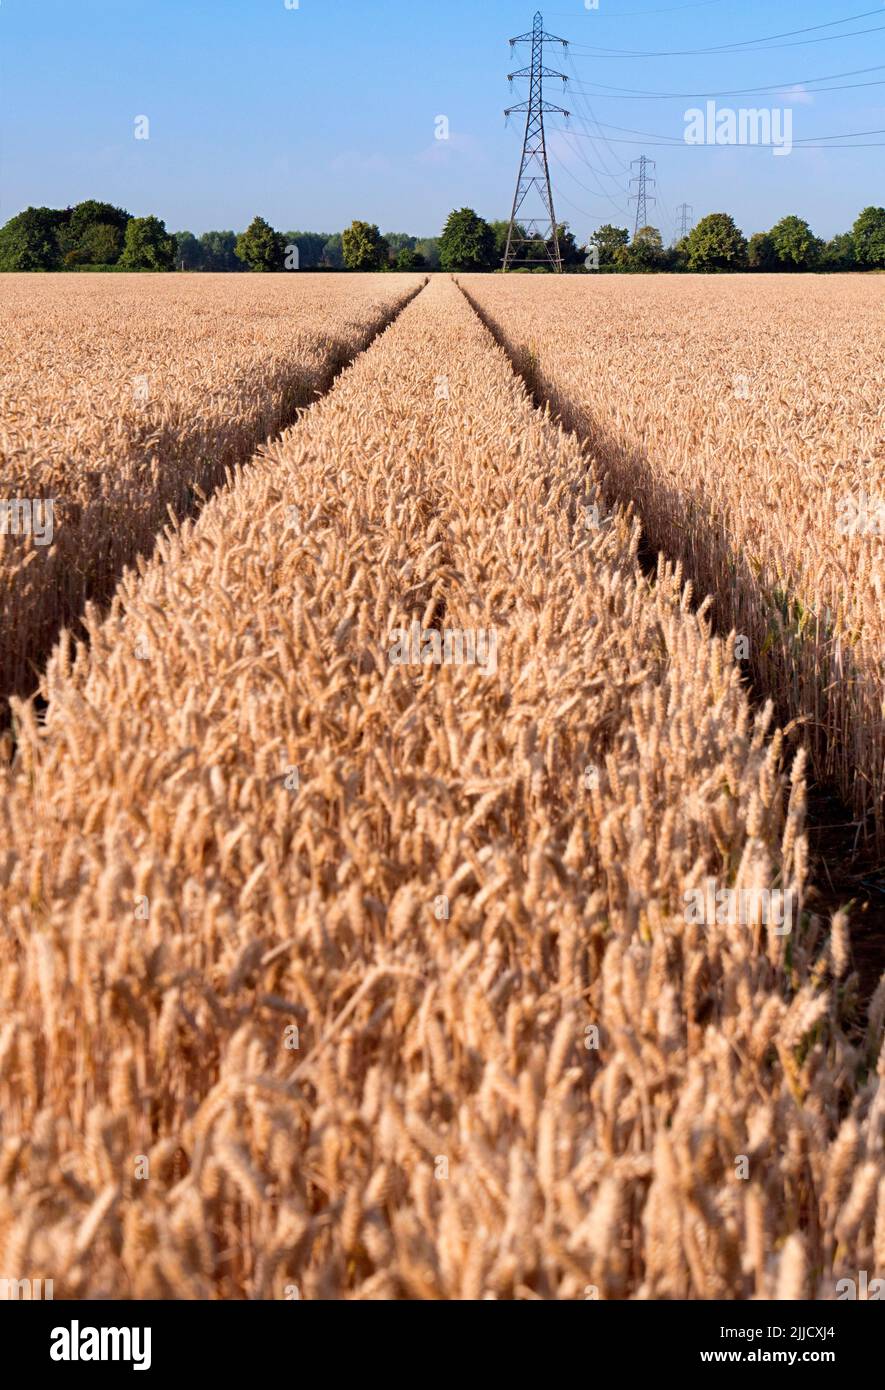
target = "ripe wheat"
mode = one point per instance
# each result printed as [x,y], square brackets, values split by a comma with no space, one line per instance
[327,975]
[744,417]
[124,396]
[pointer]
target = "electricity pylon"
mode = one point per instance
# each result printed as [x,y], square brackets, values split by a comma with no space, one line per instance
[685,213]
[534,171]
[642,196]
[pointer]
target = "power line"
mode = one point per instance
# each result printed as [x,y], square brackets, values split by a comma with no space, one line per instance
[667,9]
[786,90]
[747,45]
[641,92]
[675,142]
[592,119]
[667,218]
[576,149]
[598,173]
[809,29]
[847,135]
[583,211]
[597,132]
[594,193]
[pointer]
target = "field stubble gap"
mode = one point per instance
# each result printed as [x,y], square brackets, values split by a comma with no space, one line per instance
[843,869]
[74,588]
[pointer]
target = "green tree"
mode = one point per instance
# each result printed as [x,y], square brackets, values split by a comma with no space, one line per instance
[676,256]
[363,247]
[83,215]
[311,246]
[607,240]
[716,243]
[536,255]
[94,231]
[409,260]
[761,252]
[101,244]
[219,251]
[189,254]
[796,246]
[428,247]
[868,234]
[148,246]
[527,253]
[333,252]
[467,242]
[399,241]
[572,254]
[501,231]
[29,241]
[260,247]
[645,252]
[839,253]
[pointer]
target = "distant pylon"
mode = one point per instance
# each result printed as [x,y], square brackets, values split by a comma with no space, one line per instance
[642,197]
[534,171]
[685,213]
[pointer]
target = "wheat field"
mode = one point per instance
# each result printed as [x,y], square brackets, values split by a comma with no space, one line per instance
[344,862]
[744,416]
[122,397]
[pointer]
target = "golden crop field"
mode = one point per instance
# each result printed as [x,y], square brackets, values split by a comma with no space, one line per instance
[744,416]
[124,396]
[400,896]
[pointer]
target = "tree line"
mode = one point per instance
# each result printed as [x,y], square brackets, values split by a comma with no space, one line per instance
[97,236]
[717,244]
[90,234]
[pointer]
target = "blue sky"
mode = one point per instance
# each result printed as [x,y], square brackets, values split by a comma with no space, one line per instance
[315,115]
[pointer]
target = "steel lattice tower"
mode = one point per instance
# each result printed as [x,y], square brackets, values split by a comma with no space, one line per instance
[642,196]
[685,213]
[534,172]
